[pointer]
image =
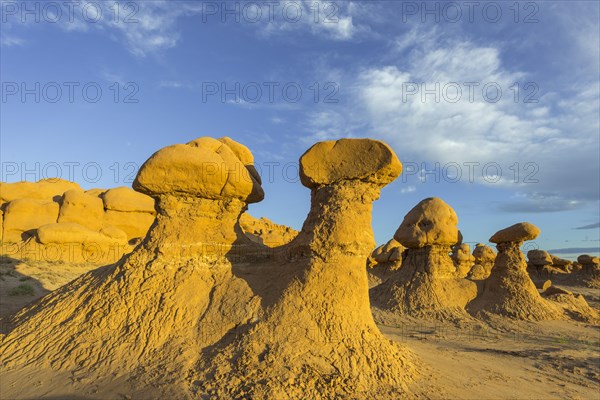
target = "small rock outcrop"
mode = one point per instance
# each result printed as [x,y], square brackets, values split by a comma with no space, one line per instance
[388,252]
[128,210]
[23,216]
[463,259]
[426,285]
[383,261]
[589,264]
[264,231]
[484,261]
[81,208]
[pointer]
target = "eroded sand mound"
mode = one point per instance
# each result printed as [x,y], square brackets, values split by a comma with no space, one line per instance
[198,309]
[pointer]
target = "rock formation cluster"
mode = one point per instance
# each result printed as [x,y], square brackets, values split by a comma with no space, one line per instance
[198,309]
[484,257]
[426,285]
[205,301]
[56,220]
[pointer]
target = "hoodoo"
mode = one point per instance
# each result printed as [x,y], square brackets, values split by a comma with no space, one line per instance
[198,309]
[509,291]
[426,285]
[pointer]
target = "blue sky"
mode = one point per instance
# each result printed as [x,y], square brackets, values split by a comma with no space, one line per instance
[425,77]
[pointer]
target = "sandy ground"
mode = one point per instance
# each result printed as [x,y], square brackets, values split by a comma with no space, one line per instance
[35,279]
[499,359]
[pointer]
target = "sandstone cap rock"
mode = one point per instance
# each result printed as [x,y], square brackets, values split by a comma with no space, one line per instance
[519,232]
[430,222]
[539,257]
[204,167]
[586,259]
[349,159]
[560,262]
[483,253]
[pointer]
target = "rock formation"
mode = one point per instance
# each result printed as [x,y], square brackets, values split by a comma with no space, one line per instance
[81,208]
[94,226]
[463,259]
[266,231]
[23,216]
[509,291]
[199,310]
[317,338]
[484,261]
[45,189]
[561,263]
[128,210]
[588,268]
[426,285]
[589,264]
[383,261]
[388,252]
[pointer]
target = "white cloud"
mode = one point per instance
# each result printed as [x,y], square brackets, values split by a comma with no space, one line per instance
[408,189]
[558,134]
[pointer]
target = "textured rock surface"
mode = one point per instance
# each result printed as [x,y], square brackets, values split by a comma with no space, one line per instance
[335,160]
[560,262]
[509,291]
[23,216]
[204,167]
[426,285]
[388,252]
[431,222]
[199,310]
[463,259]
[265,231]
[484,261]
[519,232]
[81,208]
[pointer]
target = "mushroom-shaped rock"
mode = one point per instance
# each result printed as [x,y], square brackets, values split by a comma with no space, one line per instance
[509,290]
[347,159]
[560,262]
[519,232]
[483,253]
[427,285]
[484,261]
[539,258]
[587,259]
[463,259]
[318,268]
[431,222]
[590,264]
[205,168]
